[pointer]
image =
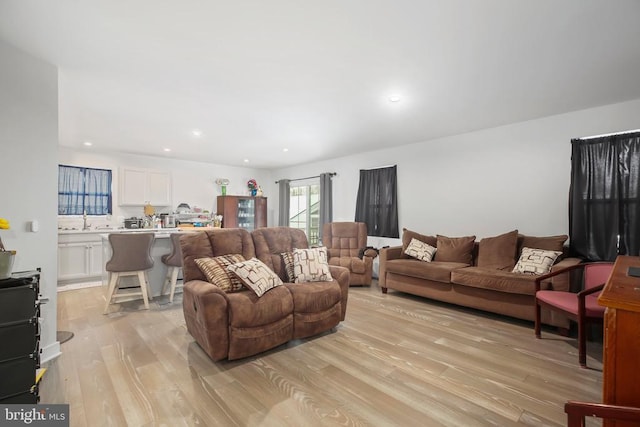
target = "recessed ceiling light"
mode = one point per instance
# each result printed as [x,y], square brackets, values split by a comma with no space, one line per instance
[246,160]
[394,98]
[88,143]
[285,149]
[167,150]
[197,133]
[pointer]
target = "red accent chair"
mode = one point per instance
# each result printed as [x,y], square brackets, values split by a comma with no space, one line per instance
[582,307]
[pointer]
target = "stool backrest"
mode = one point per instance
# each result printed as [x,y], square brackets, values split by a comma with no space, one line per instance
[131,252]
[174,258]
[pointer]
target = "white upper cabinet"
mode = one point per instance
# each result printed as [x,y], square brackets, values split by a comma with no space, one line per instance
[139,186]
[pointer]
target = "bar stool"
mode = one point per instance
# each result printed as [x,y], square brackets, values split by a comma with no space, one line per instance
[173,261]
[131,256]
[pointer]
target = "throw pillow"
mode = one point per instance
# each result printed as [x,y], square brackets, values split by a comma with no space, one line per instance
[455,249]
[420,250]
[536,261]
[215,270]
[407,235]
[548,243]
[287,260]
[255,275]
[498,252]
[310,265]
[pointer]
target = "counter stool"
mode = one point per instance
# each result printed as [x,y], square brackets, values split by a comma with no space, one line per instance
[131,256]
[173,261]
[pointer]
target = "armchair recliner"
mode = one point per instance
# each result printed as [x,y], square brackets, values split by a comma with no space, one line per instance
[346,244]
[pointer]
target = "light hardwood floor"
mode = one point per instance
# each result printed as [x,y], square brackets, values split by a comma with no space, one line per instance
[397,360]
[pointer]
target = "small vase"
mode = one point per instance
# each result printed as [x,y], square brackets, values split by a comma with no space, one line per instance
[224,190]
[6,264]
[254,192]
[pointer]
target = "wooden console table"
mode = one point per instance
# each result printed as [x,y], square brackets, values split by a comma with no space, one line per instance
[621,375]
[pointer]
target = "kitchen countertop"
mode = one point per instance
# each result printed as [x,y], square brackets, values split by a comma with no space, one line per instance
[118,230]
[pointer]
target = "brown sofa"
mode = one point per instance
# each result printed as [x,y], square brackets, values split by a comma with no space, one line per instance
[483,281]
[240,324]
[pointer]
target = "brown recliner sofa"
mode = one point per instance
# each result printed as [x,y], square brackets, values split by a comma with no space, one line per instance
[240,324]
[346,244]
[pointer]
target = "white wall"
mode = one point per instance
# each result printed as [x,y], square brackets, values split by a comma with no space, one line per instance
[29,174]
[481,183]
[192,182]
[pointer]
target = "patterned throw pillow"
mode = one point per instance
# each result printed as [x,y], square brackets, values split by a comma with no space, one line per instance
[255,275]
[310,265]
[420,250]
[287,260]
[215,270]
[536,261]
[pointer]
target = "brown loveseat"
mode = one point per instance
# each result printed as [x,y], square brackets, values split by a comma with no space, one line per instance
[240,324]
[482,281]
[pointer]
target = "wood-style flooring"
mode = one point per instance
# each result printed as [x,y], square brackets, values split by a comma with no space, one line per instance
[397,360]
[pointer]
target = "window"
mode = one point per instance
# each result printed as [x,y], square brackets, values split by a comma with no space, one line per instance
[376,203]
[83,190]
[304,210]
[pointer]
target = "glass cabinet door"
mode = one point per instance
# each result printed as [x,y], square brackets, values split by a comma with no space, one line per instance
[246,213]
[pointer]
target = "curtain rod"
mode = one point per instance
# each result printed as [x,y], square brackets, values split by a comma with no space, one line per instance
[609,134]
[309,177]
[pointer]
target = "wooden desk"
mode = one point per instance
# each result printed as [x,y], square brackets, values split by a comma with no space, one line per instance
[621,370]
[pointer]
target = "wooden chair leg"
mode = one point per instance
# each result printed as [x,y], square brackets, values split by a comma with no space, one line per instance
[144,287]
[582,342]
[113,281]
[174,279]
[538,320]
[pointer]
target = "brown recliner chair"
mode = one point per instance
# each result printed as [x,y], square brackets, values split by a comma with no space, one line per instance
[346,244]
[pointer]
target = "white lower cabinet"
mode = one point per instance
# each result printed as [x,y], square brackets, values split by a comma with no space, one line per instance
[79,258]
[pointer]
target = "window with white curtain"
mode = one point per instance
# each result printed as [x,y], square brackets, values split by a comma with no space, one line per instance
[304,210]
[84,190]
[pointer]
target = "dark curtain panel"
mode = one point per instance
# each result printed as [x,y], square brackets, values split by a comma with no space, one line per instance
[377,201]
[284,200]
[326,200]
[604,198]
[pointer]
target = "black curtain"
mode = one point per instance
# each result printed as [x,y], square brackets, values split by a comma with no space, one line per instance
[604,198]
[377,202]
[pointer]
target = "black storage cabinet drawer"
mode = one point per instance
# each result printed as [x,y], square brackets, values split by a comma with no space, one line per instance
[19,339]
[18,374]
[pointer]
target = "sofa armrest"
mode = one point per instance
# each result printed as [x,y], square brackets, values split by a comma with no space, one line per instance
[341,275]
[206,313]
[387,254]
[371,253]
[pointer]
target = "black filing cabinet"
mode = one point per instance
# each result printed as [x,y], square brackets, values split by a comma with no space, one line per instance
[19,337]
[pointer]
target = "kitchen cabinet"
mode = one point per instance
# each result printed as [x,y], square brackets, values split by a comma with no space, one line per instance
[242,211]
[620,374]
[139,186]
[79,258]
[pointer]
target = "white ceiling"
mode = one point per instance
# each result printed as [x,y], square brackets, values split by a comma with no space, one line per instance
[314,76]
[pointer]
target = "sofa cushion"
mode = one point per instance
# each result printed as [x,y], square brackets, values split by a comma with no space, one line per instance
[354,264]
[255,275]
[247,310]
[310,265]
[497,280]
[314,297]
[548,243]
[407,235]
[420,250]
[215,270]
[498,252]
[455,249]
[436,271]
[536,261]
